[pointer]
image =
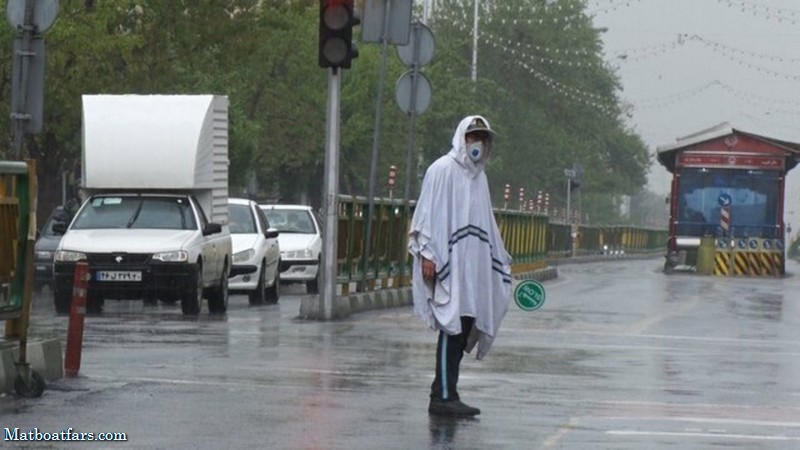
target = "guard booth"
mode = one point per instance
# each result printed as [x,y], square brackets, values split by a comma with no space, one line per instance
[728,193]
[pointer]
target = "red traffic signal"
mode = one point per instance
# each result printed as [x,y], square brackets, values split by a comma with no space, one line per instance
[336,21]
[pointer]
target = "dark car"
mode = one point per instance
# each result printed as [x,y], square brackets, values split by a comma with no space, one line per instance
[45,246]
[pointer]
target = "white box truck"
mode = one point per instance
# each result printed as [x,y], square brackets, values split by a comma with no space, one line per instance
[154,225]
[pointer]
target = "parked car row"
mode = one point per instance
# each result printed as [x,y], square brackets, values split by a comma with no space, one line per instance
[270,244]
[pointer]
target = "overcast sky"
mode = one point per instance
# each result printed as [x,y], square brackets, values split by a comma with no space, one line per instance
[735,61]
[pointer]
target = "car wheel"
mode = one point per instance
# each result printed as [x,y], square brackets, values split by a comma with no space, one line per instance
[259,295]
[62,300]
[218,297]
[168,298]
[94,302]
[275,291]
[192,297]
[312,287]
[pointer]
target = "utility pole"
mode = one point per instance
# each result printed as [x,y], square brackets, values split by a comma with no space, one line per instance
[475,43]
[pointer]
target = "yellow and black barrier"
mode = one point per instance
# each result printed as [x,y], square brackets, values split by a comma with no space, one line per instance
[756,257]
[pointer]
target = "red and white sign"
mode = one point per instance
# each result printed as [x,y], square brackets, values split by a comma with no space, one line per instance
[730,161]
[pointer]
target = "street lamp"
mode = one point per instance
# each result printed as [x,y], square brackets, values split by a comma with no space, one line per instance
[570,174]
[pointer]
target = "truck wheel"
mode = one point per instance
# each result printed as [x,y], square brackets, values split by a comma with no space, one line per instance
[218,297]
[62,300]
[259,296]
[275,291]
[192,298]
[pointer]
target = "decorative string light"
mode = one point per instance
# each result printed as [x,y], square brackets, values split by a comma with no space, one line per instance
[729,49]
[613,6]
[732,57]
[650,51]
[671,99]
[636,54]
[464,24]
[726,51]
[544,60]
[535,9]
[748,98]
[769,12]
[588,98]
[540,21]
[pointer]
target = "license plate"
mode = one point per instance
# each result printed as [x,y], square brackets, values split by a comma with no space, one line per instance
[118,275]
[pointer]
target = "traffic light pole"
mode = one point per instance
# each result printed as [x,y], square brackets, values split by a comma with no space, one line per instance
[331,192]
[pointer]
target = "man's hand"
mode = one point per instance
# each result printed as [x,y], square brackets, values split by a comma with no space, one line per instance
[428,269]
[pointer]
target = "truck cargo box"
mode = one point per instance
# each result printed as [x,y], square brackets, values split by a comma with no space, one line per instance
[158,143]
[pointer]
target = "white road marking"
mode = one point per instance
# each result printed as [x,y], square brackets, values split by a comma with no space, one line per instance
[756,437]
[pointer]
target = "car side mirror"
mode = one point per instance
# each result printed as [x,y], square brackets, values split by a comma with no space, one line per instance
[272,233]
[59,227]
[212,228]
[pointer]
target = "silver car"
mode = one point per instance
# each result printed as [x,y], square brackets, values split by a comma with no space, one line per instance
[256,253]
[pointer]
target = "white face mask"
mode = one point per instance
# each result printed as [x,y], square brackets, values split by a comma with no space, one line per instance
[475,151]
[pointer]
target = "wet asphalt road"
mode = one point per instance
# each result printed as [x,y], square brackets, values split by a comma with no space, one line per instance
[621,356]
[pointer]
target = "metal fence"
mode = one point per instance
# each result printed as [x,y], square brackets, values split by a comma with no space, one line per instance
[531,239]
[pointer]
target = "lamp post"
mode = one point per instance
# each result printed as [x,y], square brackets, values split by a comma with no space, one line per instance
[475,42]
[570,175]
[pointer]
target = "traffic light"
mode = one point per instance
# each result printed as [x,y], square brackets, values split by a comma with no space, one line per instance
[336,21]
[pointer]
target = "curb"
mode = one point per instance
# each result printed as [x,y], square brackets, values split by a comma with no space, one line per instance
[44,356]
[347,305]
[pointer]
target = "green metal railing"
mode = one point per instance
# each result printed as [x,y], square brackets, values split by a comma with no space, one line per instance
[531,239]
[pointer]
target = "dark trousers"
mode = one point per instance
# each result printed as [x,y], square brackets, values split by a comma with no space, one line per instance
[449,351]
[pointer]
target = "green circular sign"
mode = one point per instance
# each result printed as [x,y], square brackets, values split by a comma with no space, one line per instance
[529,295]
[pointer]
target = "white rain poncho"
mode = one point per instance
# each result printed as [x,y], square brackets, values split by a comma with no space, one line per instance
[453,226]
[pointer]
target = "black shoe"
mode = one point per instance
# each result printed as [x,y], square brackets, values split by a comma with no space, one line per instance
[451,408]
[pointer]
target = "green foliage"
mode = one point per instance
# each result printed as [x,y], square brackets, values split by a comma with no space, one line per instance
[552,98]
[551,108]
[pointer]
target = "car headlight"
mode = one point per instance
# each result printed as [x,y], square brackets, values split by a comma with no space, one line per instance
[305,253]
[44,255]
[172,256]
[69,256]
[243,256]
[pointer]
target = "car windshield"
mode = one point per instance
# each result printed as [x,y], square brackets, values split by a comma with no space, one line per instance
[291,220]
[173,213]
[241,219]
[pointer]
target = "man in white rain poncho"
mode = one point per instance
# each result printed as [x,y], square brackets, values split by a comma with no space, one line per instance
[465,287]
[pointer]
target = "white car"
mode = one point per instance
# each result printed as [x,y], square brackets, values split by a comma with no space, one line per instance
[301,243]
[256,253]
